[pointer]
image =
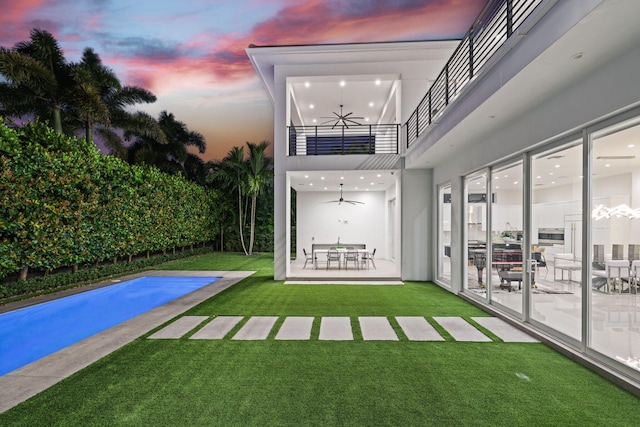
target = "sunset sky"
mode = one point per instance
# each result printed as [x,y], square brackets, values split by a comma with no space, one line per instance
[191,53]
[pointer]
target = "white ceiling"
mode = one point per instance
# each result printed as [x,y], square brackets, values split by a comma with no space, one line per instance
[316,100]
[330,181]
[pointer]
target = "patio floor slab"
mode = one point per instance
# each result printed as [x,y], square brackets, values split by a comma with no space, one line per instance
[461,330]
[217,328]
[295,328]
[256,328]
[418,329]
[503,330]
[179,327]
[336,329]
[376,329]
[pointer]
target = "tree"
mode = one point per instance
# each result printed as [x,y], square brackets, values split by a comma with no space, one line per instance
[259,174]
[38,78]
[230,172]
[171,157]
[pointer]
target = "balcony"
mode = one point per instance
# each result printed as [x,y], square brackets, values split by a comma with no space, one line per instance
[342,140]
[497,22]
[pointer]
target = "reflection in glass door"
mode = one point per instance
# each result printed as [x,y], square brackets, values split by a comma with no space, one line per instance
[476,266]
[507,237]
[556,192]
[444,233]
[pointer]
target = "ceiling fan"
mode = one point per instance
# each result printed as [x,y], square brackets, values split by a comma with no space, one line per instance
[341,199]
[342,118]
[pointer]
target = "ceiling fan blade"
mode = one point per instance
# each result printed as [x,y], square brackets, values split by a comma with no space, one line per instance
[328,121]
[351,121]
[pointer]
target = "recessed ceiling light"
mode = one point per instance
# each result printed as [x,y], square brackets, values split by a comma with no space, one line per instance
[515,182]
[362,177]
[631,145]
[553,182]
[377,82]
[311,184]
[306,176]
[550,173]
[379,175]
[371,104]
[538,177]
[497,187]
[307,84]
[366,119]
[356,188]
[496,177]
[314,120]
[557,166]
[342,83]
[342,177]
[322,177]
[372,183]
[325,188]
[311,106]
[607,165]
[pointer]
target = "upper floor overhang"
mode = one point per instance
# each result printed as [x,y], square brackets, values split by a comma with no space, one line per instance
[345,57]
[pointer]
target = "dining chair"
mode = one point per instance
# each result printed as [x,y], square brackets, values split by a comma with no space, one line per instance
[617,272]
[307,258]
[350,255]
[333,255]
[366,258]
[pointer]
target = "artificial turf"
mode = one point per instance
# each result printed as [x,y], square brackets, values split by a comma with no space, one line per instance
[317,383]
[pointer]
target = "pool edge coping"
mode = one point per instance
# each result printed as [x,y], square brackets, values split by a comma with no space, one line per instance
[29,380]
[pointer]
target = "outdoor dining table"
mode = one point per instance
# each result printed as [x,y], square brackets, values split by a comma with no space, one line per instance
[341,251]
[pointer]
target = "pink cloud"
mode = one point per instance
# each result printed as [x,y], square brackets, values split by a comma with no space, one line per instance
[223,58]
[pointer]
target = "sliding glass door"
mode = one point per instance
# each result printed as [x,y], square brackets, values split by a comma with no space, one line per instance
[556,225]
[476,268]
[507,275]
[444,234]
[615,234]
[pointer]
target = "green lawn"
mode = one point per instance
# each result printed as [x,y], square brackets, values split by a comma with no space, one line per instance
[316,383]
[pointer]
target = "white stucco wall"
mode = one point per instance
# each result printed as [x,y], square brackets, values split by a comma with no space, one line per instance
[417,215]
[322,222]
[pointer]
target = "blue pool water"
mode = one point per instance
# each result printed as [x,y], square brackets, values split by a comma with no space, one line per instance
[33,332]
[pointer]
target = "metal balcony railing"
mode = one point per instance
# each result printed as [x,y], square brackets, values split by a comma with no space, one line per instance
[495,24]
[356,139]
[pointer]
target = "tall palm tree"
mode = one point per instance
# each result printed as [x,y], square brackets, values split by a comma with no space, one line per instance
[231,172]
[172,156]
[37,78]
[102,100]
[259,173]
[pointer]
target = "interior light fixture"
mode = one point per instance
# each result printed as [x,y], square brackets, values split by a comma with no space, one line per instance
[307,84]
[377,82]
[311,106]
[371,104]
[620,211]
[342,83]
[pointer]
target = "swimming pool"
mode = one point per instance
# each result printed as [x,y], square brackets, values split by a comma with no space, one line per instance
[31,333]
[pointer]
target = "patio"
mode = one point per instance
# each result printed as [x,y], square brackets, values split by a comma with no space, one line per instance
[385,270]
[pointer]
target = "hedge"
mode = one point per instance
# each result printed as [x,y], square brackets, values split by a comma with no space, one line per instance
[64,204]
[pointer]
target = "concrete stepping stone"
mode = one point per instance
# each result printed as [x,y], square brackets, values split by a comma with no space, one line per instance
[335,329]
[503,330]
[178,328]
[461,330]
[217,328]
[256,328]
[377,329]
[418,329]
[295,328]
